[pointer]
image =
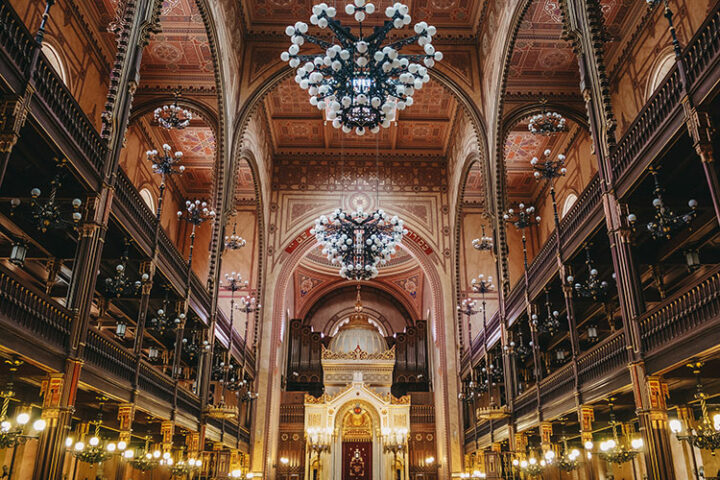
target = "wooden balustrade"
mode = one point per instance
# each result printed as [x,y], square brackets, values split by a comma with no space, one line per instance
[292,413]
[544,263]
[109,357]
[53,92]
[704,48]
[689,309]
[33,311]
[648,122]
[422,414]
[16,40]
[155,383]
[188,402]
[132,211]
[603,359]
[559,384]
[573,222]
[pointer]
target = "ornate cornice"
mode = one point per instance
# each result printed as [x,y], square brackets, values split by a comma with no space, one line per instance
[358,354]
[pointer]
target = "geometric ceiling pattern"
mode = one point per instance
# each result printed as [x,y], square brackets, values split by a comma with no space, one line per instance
[271,16]
[296,127]
[541,61]
[178,56]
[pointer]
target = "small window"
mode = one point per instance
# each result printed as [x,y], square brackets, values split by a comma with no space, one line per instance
[148,198]
[56,62]
[662,66]
[569,202]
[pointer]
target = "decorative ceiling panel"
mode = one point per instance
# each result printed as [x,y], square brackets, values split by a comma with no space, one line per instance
[541,60]
[293,133]
[457,15]
[180,54]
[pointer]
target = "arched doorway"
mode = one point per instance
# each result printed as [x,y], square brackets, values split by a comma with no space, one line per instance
[357,442]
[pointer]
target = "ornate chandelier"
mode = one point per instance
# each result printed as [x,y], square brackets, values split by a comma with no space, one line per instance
[705,435]
[546,123]
[359,82]
[173,116]
[358,241]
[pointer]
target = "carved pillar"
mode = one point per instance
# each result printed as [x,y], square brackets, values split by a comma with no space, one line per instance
[13,113]
[546,431]
[192,442]
[58,391]
[167,430]
[651,409]
[586,415]
[126,415]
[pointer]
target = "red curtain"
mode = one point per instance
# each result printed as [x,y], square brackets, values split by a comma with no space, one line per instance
[357,461]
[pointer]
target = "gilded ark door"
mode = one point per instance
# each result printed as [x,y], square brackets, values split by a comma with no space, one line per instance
[357,461]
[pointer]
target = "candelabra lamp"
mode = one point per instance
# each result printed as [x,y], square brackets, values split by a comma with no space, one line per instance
[615,451]
[196,213]
[568,460]
[395,442]
[546,123]
[145,460]
[521,350]
[484,243]
[195,345]
[467,308]
[360,80]
[522,218]
[593,287]
[173,116]
[14,432]
[234,241]
[551,323]
[531,468]
[665,222]
[165,164]
[92,452]
[51,212]
[705,435]
[185,467]
[163,320]
[120,285]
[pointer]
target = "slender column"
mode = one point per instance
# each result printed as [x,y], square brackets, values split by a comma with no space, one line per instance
[149,269]
[586,415]
[584,26]
[135,23]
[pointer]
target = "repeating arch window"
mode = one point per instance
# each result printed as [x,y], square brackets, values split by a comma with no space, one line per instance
[148,198]
[662,66]
[56,61]
[569,202]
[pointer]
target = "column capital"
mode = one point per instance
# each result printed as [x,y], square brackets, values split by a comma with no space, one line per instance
[14,110]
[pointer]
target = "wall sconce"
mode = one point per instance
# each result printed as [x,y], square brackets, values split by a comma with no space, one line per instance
[692,258]
[18,252]
[592,332]
[120,328]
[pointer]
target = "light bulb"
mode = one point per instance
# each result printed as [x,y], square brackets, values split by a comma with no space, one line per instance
[23,418]
[39,425]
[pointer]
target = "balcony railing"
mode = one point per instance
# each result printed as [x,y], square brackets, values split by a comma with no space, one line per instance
[691,308]
[109,357]
[33,311]
[134,211]
[603,359]
[14,37]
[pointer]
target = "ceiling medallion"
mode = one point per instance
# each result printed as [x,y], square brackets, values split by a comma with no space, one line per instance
[546,123]
[359,82]
[358,241]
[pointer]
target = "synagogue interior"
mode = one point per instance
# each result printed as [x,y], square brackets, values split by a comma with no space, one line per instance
[359,239]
